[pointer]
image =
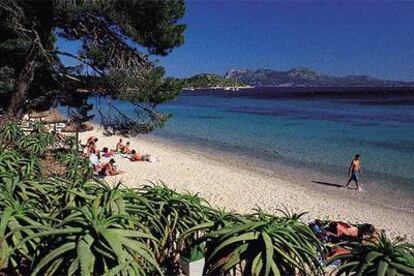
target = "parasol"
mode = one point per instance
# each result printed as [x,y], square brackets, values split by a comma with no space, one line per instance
[76,128]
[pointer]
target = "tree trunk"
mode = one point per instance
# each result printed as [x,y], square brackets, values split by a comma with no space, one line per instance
[18,100]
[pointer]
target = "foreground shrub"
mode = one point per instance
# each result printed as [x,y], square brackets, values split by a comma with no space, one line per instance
[378,257]
[10,132]
[13,164]
[79,225]
[176,213]
[77,167]
[89,240]
[264,245]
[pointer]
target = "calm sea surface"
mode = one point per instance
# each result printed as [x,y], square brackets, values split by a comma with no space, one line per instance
[319,132]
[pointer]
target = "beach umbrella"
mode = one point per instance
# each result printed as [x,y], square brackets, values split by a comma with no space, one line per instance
[38,114]
[75,127]
[53,118]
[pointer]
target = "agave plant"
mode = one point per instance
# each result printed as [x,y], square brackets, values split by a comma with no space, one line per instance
[38,127]
[264,245]
[18,220]
[69,142]
[77,167]
[378,257]
[13,163]
[47,138]
[33,145]
[11,132]
[89,240]
[217,219]
[177,213]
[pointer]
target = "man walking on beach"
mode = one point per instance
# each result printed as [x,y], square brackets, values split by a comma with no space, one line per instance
[354,172]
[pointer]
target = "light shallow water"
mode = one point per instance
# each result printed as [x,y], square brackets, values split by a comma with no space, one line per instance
[319,134]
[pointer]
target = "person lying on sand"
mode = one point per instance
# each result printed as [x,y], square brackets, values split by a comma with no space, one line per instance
[135,156]
[319,229]
[106,153]
[336,251]
[109,169]
[127,148]
[119,146]
[96,166]
[340,229]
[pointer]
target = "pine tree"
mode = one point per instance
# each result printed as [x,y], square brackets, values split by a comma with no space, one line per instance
[112,36]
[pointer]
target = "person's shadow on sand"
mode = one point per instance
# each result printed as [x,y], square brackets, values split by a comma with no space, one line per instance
[329,184]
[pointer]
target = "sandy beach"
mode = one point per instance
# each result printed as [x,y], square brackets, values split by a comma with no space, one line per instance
[235,187]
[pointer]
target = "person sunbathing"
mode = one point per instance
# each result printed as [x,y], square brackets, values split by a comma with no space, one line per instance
[88,149]
[135,156]
[91,148]
[336,251]
[109,169]
[106,153]
[92,139]
[119,146]
[127,148]
[96,166]
[340,229]
[319,229]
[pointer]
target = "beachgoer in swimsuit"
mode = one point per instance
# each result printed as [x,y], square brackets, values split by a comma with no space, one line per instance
[126,149]
[92,139]
[119,146]
[106,153]
[354,172]
[109,169]
[138,157]
[93,158]
[340,229]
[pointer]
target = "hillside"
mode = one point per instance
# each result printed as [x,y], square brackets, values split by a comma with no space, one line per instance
[303,77]
[209,81]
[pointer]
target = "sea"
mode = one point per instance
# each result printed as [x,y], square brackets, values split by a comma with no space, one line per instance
[306,135]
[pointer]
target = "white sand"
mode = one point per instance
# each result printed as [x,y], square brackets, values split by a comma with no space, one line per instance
[227,185]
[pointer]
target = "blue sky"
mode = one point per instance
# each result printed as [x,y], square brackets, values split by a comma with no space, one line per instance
[338,38]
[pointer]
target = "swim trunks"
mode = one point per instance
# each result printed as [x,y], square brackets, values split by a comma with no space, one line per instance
[355,176]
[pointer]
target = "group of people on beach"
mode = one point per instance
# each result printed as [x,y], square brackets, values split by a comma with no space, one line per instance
[109,167]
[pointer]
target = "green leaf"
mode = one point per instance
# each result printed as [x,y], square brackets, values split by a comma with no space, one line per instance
[74,266]
[382,268]
[371,256]
[85,256]
[234,257]
[116,245]
[403,268]
[255,271]
[52,255]
[244,237]
[269,252]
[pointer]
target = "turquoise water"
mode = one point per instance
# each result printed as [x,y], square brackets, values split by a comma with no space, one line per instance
[320,133]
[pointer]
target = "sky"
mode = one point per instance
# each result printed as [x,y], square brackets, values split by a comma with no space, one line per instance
[336,38]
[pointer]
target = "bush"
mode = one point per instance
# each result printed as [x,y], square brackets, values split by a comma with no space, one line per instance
[81,225]
[378,257]
[264,245]
[11,132]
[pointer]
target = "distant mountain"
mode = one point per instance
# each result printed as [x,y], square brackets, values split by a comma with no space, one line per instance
[206,80]
[303,77]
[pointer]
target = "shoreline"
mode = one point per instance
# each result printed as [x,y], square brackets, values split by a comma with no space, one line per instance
[226,181]
[326,181]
